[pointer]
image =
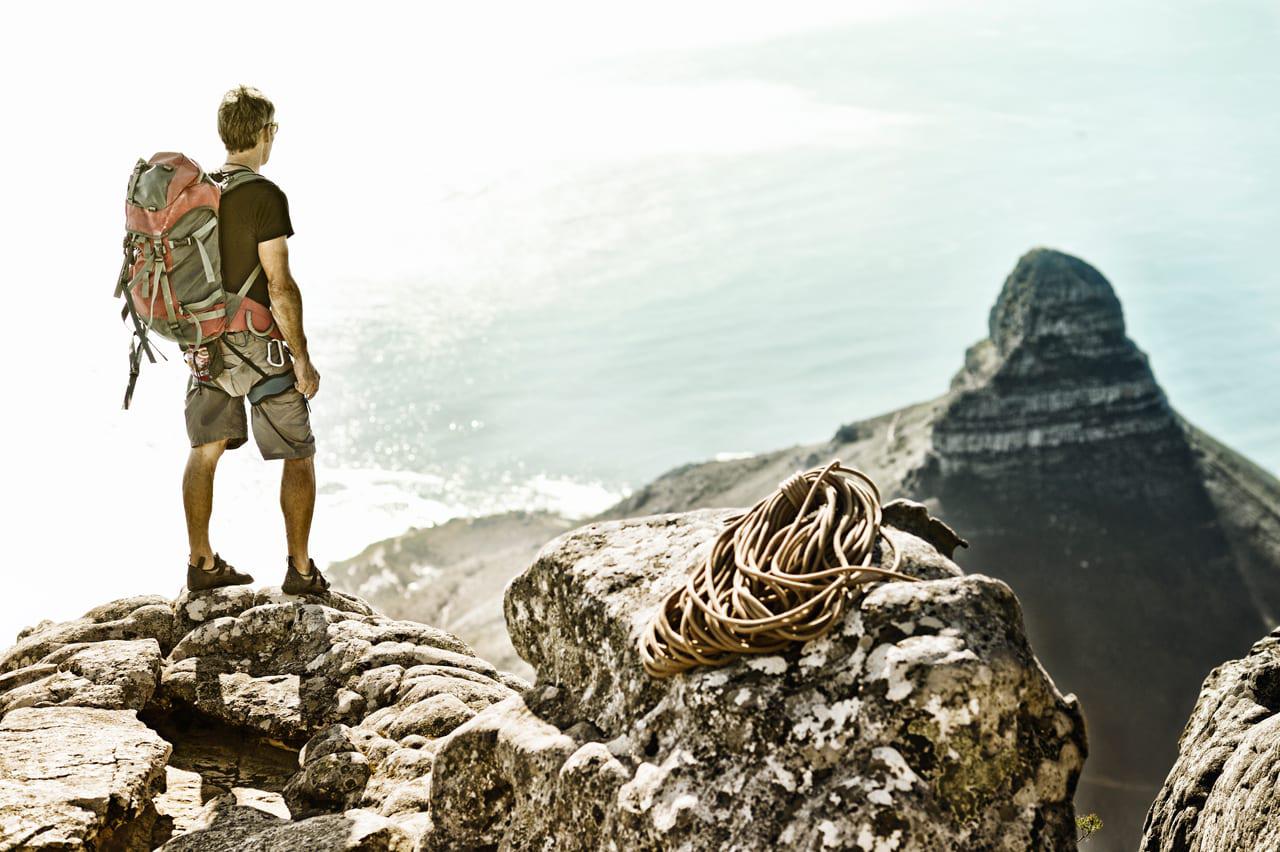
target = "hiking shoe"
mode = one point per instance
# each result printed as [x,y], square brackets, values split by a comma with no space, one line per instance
[296,584]
[221,574]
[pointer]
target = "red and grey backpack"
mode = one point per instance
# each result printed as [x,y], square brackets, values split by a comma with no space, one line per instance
[171,277]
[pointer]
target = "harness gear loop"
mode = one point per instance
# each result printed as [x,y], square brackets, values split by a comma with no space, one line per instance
[780,572]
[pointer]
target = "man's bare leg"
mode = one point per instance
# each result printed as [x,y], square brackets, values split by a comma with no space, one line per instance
[298,502]
[197,498]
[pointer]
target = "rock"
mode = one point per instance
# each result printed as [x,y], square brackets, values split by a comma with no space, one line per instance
[211,760]
[143,617]
[912,517]
[333,777]
[75,777]
[1221,791]
[112,674]
[191,609]
[247,675]
[329,784]
[923,721]
[368,695]
[230,827]
[287,667]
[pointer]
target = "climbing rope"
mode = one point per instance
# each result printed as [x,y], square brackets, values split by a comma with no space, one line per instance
[779,573]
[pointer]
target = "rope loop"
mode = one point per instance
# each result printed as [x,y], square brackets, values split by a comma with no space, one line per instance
[784,571]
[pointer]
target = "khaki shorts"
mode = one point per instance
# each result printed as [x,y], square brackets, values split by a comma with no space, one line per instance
[215,410]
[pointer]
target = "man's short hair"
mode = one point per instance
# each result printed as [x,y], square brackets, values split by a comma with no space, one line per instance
[243,113]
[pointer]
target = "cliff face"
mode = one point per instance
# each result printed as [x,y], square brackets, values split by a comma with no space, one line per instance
[243,720]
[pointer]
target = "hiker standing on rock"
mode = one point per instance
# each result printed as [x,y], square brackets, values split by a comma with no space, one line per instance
[272,368]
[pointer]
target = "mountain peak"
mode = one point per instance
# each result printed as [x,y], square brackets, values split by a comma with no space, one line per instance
[1051,294]
[1057,388]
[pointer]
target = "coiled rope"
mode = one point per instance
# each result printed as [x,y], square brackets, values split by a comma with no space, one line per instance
[778,573]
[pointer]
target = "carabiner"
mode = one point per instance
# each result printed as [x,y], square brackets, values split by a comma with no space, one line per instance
[279,349]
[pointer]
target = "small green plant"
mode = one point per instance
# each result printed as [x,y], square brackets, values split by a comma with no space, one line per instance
[1087,825]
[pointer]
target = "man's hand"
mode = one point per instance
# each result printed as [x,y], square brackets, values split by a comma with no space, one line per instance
[308,377]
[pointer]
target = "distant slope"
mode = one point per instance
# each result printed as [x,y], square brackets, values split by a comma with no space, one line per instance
[451,576]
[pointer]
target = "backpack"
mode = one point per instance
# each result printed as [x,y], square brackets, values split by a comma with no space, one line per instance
[171,276]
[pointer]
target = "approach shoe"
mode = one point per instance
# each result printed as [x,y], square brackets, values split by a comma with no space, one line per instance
[221,574]
[296,584]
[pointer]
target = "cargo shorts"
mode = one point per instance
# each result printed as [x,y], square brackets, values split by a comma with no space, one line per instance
[216,409]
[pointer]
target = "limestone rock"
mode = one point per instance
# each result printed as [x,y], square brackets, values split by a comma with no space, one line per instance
[287,667]
[143,617]
[72,777]
[924,721]
[1221,792]
[368,695]
[112,674]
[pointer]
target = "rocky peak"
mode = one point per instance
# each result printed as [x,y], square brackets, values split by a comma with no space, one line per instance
[1056,389]
[1053,296]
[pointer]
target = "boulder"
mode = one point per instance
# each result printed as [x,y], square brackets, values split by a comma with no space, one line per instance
[287,667]
[230,827]
[77,777]
[923,721]
[1221,791]
[142,617]
[114,674]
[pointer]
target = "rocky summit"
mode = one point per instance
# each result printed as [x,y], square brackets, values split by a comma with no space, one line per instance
[1143,551]
[230,719]
[238,719]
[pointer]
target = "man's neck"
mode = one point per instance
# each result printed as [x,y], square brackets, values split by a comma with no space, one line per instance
[242,160]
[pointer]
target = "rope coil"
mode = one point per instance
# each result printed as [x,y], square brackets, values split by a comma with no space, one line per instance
[778,573]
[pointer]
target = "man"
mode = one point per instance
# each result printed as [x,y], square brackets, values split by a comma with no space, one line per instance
[253,226]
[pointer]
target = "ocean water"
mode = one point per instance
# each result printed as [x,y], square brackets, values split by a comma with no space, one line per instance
[740,247]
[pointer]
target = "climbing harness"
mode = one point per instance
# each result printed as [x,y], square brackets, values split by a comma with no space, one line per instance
[780,572]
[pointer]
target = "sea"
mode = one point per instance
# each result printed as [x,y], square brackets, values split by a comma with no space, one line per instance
[680,251]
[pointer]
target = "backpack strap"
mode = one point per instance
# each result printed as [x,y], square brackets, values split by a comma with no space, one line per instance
[240,176]
[230,181]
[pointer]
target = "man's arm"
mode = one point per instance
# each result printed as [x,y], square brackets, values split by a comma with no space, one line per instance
[286,307]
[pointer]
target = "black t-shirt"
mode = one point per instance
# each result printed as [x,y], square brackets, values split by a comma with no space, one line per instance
[250,213]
